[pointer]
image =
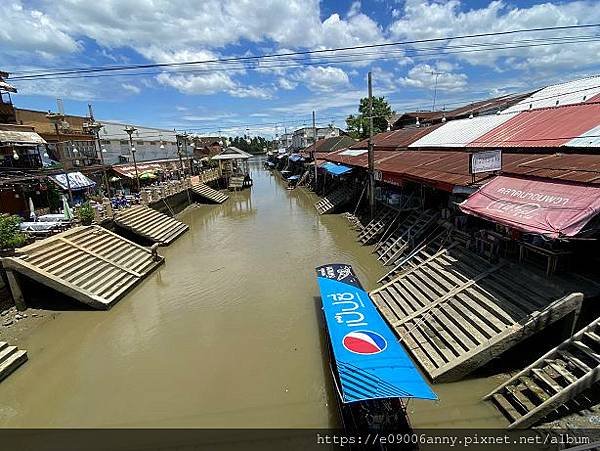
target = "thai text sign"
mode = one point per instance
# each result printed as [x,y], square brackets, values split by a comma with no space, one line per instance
[490,160]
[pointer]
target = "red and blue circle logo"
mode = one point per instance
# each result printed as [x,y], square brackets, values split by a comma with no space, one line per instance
[364,342]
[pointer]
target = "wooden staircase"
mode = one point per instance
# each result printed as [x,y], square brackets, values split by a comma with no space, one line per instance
[206,192]
[376,226]
[150,224]
[405,236]
[332,200]
[11,358]
[455,311]
[555,378]
[305,179]
[236,182]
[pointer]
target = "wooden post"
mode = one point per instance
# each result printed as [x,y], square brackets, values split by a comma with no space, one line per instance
[15,289]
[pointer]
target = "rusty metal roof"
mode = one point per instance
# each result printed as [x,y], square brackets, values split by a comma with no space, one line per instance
[396,139]
[547,127]
[569,167]
[361,160]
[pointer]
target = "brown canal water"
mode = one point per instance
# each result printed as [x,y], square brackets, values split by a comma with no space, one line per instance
[227,333]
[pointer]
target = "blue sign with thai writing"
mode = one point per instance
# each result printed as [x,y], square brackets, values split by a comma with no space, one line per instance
[371,362]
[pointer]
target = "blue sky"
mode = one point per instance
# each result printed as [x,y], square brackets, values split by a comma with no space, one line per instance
[43,35]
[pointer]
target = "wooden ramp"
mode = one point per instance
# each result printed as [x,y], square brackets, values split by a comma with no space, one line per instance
[236,183]
[405,236]
[555,378]
[11,358]
[150,224]
[332,200]
[89,264]
[456,311]
[377,225]
[206,192]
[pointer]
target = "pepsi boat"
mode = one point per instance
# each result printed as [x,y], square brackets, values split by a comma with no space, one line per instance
[373,375]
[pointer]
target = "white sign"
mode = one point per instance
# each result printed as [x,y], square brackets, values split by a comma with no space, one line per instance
[490,160]
[377,175]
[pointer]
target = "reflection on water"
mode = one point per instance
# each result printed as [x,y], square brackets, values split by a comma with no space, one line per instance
[226,333]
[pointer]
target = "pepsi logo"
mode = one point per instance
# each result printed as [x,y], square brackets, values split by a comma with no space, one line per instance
[364,342]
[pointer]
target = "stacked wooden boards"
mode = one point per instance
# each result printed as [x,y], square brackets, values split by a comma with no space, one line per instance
[150,224]
[332,200]
[89,264]
[236,183]
[206,192]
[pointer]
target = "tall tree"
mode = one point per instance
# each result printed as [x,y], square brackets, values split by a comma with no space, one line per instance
[358,125]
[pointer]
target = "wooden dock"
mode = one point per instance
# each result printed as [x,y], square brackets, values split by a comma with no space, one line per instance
[557,377]
[236,183]
[11,358]
[90,264]
[332,200]
[455,311]
[150,224]
[206,192]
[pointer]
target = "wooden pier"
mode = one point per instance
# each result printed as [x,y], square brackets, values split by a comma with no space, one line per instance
[236,183]
[89,264]
[150,224]
[332,200]
[206,192]
[455,311]
[11,358]
[560,375]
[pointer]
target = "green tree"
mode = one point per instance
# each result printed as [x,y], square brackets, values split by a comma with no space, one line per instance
[358,125]
[253,145]
[10,235]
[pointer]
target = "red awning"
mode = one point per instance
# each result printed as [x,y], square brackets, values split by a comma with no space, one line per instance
[553,209]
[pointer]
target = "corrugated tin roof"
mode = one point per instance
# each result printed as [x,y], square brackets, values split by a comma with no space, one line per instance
[396,139]
[361,160]
[574,91]
[569,167]
[548,127]
[330,144]
[460,132]
[19,137]
[591,138]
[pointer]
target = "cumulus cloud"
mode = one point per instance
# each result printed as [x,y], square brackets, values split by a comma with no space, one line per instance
[424,76]
[319,78]
[133,89]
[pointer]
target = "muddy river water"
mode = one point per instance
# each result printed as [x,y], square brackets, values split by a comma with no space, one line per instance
[226,334]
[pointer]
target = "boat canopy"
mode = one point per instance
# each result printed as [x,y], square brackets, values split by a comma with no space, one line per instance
[551,208]
[371,363]
[335,169]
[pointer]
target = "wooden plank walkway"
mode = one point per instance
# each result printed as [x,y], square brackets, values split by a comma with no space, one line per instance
[11,358]
[557,377]
[90,264]
[405,236]
[455,311]
[332,200]
[150,224]
[206,192]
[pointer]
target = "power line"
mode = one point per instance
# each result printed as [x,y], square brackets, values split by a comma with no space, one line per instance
[94,69]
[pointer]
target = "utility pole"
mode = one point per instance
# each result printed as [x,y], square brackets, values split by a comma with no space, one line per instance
[95,127]
[129,130]
[314,146]
[55,118]
[371,154]
[437,74]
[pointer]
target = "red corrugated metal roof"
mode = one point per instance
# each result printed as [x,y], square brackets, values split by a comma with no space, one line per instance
[570,167]
[596,98]
[548,127]
[359,160]
[396,139]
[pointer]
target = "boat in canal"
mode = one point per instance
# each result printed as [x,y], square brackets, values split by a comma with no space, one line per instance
[373,375]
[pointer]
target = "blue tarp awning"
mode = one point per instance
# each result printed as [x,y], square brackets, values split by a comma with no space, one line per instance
[371,362]
[335,169]
[295,157]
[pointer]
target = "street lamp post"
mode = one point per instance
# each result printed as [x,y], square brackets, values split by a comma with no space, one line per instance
[181,139]
[55,118]
[129,130]
[95,127]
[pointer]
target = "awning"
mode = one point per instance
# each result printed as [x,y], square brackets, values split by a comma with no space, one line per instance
[553,209]
[76,181]
[370,361]
[128,170]
[295,157]
[335,169]
[20,137]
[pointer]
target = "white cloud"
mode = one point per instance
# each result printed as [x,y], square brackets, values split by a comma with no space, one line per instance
[425,19]
[131,88]
[424,76]
[286,84]
[197,84]
[30,30]
[319,78]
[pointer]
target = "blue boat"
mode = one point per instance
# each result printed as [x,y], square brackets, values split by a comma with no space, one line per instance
[372,372]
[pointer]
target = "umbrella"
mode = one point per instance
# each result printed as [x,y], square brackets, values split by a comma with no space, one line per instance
[147,175]
[66,209]
[31,209]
